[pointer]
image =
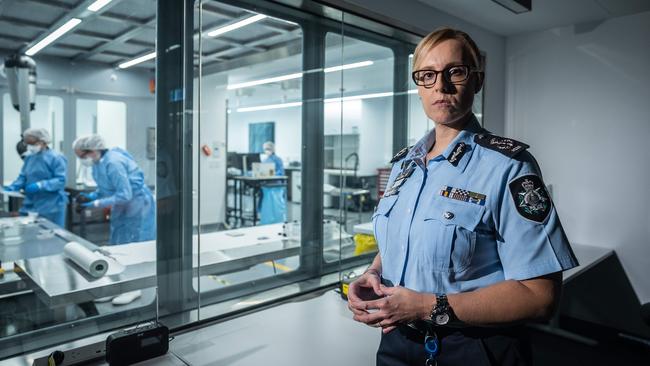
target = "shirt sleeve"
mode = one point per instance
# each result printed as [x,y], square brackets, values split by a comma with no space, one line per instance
[531,240]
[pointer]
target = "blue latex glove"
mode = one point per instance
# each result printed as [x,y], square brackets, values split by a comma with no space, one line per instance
[88,196]
[8,188]
[94,203]
[32,188]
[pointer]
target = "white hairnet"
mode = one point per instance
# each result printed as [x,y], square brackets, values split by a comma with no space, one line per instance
[90,142]
[269,146]
[39,134]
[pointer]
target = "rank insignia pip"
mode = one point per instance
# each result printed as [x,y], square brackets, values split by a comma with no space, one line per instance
[506,146]
[400,154]
[463,195]
[457,153]
[399,180]
[530,197]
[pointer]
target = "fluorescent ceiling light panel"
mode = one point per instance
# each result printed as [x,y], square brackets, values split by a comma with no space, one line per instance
[65,28]
[296,75]
[356,97]
[269,106]
[233,26]
[137,60]
[328,100]
[348,66]
[98,5]
[265,81]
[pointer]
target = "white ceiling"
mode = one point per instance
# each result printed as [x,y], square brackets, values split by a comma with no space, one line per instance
[545,14]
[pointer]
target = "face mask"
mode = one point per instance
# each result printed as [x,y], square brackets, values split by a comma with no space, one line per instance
[34,149]
[87,161]
[268,152]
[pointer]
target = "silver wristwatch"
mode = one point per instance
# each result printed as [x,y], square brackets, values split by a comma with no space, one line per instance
[441,313]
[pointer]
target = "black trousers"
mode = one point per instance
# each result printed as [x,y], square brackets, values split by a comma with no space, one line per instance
[404,346]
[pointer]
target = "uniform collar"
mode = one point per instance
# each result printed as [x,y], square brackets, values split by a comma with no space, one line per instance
[463,153]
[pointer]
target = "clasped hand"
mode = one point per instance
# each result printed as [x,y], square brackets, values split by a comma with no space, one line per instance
[379,306]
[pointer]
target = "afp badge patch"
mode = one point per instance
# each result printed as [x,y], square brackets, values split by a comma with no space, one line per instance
[530,197]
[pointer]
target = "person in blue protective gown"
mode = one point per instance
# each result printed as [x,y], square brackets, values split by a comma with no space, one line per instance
[470,243]
[273,205]
[42,178]
[120,186]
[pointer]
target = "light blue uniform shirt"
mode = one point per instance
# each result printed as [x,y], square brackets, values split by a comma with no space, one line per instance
[436,242]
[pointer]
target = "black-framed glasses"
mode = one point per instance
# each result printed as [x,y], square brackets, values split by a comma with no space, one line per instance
[455,74]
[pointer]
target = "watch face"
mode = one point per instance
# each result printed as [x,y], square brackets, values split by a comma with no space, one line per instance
[442,319]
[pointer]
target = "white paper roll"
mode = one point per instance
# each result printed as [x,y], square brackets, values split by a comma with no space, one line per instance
[91,262]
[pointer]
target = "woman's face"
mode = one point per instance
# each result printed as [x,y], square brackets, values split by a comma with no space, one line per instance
[447,103]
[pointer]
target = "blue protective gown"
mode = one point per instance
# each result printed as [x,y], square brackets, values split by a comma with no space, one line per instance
[120,185]
[273,205]
[48,169]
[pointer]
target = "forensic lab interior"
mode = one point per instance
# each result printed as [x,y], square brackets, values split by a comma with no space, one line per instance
[213,166]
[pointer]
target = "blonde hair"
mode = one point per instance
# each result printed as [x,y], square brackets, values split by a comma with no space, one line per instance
[442,34]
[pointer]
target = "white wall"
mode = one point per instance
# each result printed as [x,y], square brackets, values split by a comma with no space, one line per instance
[370,118]
[288,131]
[212,192]
[48,114]
[580,97]
[422,19]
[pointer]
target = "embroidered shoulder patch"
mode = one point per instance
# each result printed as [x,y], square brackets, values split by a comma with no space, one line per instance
[530,197]
[504,145]
[400,154]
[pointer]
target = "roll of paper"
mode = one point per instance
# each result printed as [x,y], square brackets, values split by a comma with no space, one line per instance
[93,263]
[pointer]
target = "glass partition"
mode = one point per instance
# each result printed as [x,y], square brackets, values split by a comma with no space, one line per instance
[258,141]
[50,294]
[247,167]
[358,134]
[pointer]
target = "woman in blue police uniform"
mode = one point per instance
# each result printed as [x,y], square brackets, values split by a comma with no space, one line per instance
[469,241]
[42,178]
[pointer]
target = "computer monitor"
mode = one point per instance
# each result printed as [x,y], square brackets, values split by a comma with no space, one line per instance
[248,159]
[234,160]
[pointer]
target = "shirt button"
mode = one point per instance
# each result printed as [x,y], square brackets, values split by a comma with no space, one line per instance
[448,215]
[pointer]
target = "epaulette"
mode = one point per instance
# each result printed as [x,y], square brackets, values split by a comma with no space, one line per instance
[504,145]
[400,154]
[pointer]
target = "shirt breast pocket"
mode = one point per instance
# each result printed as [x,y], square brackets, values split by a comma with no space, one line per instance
[452,225]
[380,221]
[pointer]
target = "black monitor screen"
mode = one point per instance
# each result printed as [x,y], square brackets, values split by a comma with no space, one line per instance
[234,160]
[250,159]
